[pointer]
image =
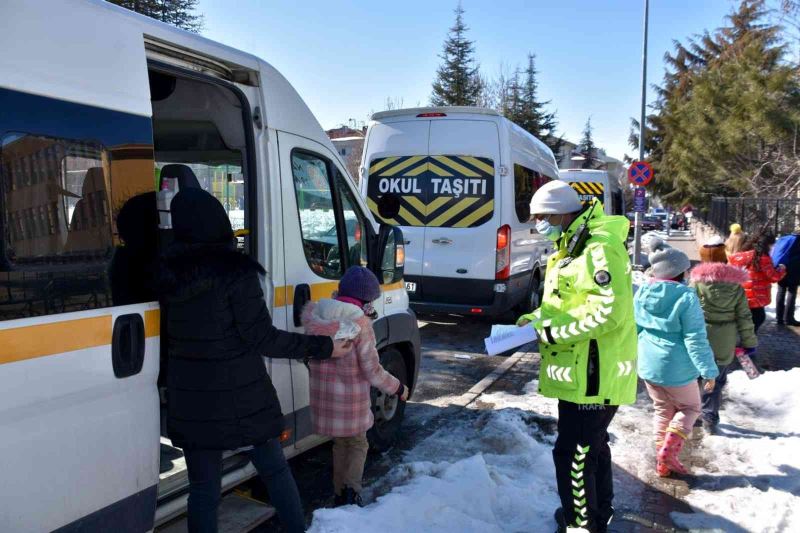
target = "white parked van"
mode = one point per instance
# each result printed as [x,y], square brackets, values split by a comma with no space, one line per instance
[92,99]
[596,184]
[464,178]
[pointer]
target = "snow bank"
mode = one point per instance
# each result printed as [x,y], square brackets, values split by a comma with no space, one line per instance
[752,476]
[487,472]
[491,470]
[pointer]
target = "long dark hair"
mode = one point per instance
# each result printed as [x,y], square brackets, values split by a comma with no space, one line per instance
[760,243]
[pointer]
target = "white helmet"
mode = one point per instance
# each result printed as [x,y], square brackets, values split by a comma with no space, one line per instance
[555,198]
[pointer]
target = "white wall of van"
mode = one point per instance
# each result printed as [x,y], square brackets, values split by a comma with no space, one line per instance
[464,178]
[81,130]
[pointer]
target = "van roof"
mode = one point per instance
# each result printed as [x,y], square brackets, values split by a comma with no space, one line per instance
[583,171]
[449,110]
[126,91]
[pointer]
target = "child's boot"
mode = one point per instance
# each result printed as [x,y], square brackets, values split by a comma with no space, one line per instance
[674,440]
[352,497]
[661,468]
[339,499]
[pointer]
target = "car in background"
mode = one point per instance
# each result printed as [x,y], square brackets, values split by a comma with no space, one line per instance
[649,222]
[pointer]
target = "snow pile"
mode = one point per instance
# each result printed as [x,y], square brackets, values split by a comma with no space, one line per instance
[490,468]
[487,472]
[752,475]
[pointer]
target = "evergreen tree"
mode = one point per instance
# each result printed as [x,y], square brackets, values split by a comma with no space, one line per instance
[532,115]
[726,118]
[458,81]
[512,105]
[180,13]
[587,148]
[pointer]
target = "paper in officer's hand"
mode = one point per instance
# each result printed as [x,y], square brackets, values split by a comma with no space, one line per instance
[504,338]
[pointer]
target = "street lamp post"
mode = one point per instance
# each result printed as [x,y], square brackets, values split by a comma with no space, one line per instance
[637,228]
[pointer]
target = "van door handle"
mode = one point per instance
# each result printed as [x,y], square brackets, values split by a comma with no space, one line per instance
[442,240]
[302,295]
[406,243]
[127,345]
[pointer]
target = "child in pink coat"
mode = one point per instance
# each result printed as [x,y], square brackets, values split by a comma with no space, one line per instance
[340,389]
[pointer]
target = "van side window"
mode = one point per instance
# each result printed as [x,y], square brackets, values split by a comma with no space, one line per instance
[317,214]
[354,223]
[526,183]
[64,179]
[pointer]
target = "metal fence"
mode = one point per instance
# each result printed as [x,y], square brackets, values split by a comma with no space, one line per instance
[780,215]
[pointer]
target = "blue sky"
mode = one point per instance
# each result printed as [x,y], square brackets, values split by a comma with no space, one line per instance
[346,57]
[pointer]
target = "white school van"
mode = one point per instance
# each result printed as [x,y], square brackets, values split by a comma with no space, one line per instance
[596,184]
[464,178]
[93,98]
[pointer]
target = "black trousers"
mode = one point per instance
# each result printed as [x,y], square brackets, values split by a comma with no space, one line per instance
[583,464]
[787,298]
[759,315]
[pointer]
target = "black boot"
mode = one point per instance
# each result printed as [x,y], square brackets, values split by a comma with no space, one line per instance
[352,497]
[339,499]
[561,520]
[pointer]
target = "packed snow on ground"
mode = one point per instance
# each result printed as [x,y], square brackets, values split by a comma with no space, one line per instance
[752,475]
[490,470]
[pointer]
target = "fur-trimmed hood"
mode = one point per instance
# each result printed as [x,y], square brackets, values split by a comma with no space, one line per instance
[718,273]
[333,318]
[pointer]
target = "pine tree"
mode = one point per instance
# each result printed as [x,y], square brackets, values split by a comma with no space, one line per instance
[587,148]
[531,114]
[458,81]
[180,13]
[725,121]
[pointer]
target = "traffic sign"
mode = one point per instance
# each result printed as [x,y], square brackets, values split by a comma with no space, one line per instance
[640,173]
[639,200]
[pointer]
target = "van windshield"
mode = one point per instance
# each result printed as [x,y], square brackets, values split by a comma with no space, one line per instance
[435,191]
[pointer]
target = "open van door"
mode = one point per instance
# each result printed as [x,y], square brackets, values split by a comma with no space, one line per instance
[79,351]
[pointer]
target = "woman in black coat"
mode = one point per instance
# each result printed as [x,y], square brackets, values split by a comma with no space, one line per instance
[219,393]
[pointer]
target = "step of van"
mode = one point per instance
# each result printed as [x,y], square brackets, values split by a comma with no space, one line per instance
[237,514]
[174,478]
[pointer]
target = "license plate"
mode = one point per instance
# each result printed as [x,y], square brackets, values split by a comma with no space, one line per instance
[411,287]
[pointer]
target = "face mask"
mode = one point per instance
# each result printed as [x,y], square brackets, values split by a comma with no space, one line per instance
[553,233]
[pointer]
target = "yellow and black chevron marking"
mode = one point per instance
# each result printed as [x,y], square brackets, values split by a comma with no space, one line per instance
[588,190]
[578,488]
[442,190]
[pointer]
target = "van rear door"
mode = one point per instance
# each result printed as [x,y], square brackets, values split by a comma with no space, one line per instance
[79,331]
[397,164]
[460,237]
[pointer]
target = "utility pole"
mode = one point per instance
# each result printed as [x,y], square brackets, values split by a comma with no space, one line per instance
[637,228]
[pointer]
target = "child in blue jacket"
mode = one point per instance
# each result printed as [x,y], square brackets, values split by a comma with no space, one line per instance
[673,352]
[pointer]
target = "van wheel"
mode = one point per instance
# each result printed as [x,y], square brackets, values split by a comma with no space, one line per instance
[387,409]
[533,299]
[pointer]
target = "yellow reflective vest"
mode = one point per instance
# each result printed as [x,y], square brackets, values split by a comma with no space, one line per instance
[587,333]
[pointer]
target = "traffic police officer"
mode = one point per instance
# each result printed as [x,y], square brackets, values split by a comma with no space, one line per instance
[587,340]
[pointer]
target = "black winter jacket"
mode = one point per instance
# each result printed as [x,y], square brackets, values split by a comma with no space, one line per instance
[220,395]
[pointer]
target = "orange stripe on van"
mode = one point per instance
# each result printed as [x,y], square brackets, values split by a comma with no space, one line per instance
[152,323]
[285,295]
[19,344]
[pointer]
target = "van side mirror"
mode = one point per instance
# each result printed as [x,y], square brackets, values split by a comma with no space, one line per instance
[388,206]
[392,259]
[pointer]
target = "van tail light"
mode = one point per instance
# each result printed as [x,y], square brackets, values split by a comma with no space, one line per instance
[431,115]
[400,256]
[502,266]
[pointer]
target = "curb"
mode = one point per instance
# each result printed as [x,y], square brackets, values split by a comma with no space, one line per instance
[479,388]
